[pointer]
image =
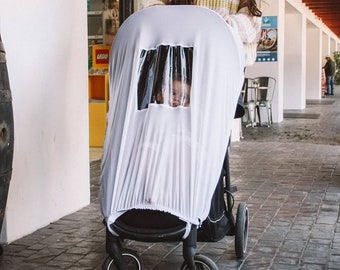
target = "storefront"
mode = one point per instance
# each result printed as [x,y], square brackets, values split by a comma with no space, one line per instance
[104,18]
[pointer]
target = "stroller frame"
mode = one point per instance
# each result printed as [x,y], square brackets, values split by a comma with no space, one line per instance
[192,259]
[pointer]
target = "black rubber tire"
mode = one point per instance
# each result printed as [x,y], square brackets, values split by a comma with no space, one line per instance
[241,230]
[131,257]
[202,263]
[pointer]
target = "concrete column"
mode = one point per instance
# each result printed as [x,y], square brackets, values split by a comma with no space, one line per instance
[332,45]
[47,63]
[325,45]
[313,62]
[294,66]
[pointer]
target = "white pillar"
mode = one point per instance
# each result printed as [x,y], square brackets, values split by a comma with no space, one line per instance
[294,74]
[325,45]
[46,52]
[313,62]
[332,46]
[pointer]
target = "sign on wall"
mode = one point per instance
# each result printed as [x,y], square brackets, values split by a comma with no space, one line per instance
[267,47]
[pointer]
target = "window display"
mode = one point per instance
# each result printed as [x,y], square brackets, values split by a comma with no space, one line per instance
[110,18]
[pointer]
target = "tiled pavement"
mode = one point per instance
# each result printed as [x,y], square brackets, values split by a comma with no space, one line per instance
[289,176]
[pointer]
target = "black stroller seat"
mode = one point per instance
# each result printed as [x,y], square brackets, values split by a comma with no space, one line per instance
[149,225]
[174,89]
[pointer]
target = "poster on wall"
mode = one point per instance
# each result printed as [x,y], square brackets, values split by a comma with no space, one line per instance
[267,47]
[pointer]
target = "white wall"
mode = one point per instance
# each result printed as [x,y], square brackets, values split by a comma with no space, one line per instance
[325,45]
[313,62]
[332,45]
[46,46]
[273,69]
[294,51]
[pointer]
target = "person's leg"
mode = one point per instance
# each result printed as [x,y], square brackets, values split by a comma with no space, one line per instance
[328,85]
[332,85]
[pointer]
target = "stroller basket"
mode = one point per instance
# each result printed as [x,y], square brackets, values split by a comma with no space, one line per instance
[174,91]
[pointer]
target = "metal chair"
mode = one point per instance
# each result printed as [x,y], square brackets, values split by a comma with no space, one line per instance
[265,92]
[249,92]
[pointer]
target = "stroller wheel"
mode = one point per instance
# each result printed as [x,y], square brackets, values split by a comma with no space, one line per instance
[241,234]
[131,258]
[202,263]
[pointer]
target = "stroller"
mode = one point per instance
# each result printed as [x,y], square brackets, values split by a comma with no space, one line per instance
[175,77]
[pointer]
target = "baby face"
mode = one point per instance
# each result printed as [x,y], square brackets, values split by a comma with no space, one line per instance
[180,94]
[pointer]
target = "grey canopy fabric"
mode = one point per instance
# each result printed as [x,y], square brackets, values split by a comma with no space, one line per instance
[175,77]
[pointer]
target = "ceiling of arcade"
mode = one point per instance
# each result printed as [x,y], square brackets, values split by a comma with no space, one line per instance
[328,11]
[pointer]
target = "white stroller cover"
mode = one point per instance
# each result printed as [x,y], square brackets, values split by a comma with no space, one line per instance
[162,154]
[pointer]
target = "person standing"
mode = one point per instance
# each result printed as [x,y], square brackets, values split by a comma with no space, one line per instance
[329,68]
[150,3]
[244,16]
